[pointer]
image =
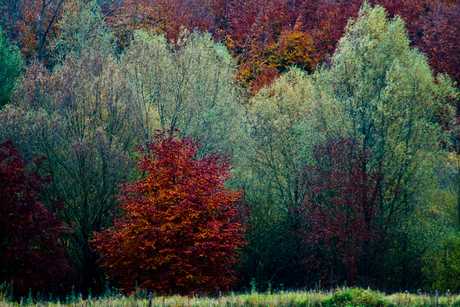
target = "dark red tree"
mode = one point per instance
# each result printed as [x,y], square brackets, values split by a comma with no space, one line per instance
[181,228]
[439,38]
[31,253]
[340,213]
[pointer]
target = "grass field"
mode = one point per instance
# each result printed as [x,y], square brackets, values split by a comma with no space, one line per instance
[353,297]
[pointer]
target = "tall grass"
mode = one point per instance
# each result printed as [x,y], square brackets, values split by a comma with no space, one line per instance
[346,297]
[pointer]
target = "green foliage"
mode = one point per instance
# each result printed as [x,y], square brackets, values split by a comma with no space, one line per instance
[6,291]
[280,129]
[381,91]
[442,264]
[377,92]
[11,65]
[355,297]
[90,113]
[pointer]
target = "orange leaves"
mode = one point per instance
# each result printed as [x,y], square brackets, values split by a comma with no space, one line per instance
[162,16]
[179,229]
[293,48]
[37,26]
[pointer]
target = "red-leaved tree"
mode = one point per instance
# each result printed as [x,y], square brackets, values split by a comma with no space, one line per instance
[31,253]
[180,229]
[340,214]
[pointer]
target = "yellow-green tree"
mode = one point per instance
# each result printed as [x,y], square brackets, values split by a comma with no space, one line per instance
[188,85]
[381,95]
[82,29]
[281,130]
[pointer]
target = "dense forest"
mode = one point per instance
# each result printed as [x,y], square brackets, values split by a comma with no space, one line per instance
[203,145]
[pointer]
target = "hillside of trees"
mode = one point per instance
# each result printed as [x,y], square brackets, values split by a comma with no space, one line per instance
[206,145]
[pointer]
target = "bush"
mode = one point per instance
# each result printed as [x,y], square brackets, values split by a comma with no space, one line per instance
[355,297]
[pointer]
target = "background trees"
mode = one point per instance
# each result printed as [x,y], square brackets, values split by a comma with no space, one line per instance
[82,29]
[380,95]
[181,227]
[275,153]
[88,115]
[80,118]
[31,24]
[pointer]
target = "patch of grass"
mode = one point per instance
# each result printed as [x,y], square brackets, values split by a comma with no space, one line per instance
[343,297]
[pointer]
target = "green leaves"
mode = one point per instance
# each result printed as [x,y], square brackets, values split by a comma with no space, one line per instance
[377,86]
[80,117]
[11,64]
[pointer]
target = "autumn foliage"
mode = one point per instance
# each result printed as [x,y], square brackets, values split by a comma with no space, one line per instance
[180,229]
[31,251]
[252,30]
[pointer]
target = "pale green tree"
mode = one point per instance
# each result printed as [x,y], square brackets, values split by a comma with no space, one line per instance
[90,113]
[186,85]
[82,28]
[379,92]
[281,126]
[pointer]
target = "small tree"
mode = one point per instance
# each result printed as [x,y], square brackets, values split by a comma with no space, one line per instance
[31,253]
[180,229]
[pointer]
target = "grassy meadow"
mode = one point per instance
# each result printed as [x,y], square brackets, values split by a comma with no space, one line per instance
[353,297]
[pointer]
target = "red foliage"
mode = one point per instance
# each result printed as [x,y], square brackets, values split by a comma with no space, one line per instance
[30,250]
[439,38]
[340,212]
[180,228]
